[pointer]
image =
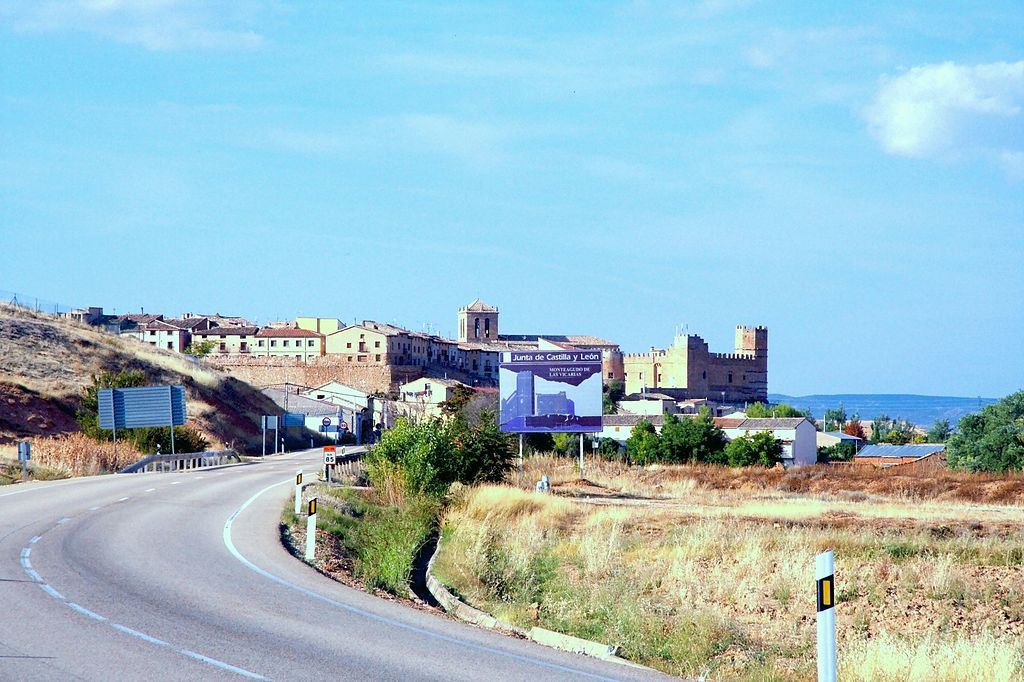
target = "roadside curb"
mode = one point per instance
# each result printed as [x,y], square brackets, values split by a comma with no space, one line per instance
[463,611]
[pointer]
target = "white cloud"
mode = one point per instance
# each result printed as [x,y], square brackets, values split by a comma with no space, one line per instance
[952,111]
[153,24]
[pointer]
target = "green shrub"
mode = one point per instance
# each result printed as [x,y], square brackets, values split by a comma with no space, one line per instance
[387,539]
[761,449]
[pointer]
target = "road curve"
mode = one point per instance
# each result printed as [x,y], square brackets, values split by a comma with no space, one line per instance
[182,577]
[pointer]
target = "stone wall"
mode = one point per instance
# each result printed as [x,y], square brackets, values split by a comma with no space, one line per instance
[264,371]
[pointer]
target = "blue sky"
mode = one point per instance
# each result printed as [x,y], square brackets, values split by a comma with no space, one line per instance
[851,176]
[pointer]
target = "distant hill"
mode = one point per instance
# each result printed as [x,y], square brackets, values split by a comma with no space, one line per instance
[46,362]
[918,409]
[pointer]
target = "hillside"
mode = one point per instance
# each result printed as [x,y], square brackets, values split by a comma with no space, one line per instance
[45,363]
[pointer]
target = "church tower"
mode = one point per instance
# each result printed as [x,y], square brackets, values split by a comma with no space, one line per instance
[478,322]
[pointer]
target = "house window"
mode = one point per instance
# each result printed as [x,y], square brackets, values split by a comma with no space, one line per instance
[348,345]
[310,343]
[730,377]
[262,343]
[223,336]
[487,327]
[298,357]
[170,345]
[152,333]
[377,357]
[361,358]
[285,343]
[659,379]
[273,342]
[609,375]
[704,374]
[223,347]
[376,344]
[349,358]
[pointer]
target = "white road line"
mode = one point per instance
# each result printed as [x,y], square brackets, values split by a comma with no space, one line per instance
[175,482]
[199,478]
[52,592]
[64,520]
[373,616]
[26,551]
[221,664]
[86,612]
[93,508]
[123,499]
[149,490]
[34,540]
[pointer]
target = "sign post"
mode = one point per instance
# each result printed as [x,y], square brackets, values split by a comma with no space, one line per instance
[24,455]
[311,531]
[330,457]
[298,492]
[520,459]
[825,574]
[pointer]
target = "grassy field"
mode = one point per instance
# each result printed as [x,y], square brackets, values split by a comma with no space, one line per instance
[697,570]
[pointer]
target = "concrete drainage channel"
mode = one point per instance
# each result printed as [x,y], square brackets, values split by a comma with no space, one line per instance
[463,611]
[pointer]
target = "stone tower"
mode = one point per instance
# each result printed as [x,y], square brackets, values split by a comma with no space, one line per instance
[752,341]
[478,322]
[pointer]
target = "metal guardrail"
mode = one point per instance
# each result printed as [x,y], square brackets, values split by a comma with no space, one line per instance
[183,461]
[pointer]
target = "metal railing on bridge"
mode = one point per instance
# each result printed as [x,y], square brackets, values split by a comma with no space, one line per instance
[182,461]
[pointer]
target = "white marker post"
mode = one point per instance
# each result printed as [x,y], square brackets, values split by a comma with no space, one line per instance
[520,459]
[825,574]
[581,456]
[311,531]
[298,492]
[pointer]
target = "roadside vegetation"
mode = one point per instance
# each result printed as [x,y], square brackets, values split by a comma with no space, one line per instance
[376,533]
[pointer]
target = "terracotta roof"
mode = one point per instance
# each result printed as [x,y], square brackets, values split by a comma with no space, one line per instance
[288,333]
[726,423]
[478,306]
[771,423]
[229,331]
[190,323]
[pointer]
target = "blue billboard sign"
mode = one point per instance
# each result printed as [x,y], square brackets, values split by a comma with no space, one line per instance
[550,391]
[133,408]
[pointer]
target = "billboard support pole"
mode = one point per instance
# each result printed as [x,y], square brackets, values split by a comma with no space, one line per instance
[263,423]
[520,459]
[581,456]
[170,409]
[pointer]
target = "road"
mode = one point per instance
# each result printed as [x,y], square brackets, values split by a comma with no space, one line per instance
[183,577]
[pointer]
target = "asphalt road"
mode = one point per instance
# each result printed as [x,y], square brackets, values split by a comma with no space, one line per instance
[182,577]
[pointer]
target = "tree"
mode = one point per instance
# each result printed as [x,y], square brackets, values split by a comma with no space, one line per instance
[486,453]
[460,398]
[940,431]
[990,440]
[854,428]
[833,420]
[901,432]
[840,452]
[612,393]
[880,428]
[782,411]
[201,349]
[695,440]
[761,449]
[642,446]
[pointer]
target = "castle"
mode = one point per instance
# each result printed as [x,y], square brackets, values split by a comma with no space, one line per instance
[688,370]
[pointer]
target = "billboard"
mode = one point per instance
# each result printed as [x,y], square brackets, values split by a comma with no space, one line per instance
[550,391]
[132,408]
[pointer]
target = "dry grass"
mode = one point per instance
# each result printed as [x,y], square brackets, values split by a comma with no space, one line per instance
[74,455]
[855,482]
[724,583]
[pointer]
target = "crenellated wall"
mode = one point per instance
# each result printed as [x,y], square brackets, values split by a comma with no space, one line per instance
[740,376]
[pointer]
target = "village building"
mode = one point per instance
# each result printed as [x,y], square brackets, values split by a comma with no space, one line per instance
[301,344]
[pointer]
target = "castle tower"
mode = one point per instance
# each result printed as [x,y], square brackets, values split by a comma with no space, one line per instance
[752,341]
[478,322]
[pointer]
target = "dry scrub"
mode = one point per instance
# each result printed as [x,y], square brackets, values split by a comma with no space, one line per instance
[72,455]
[714,583]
